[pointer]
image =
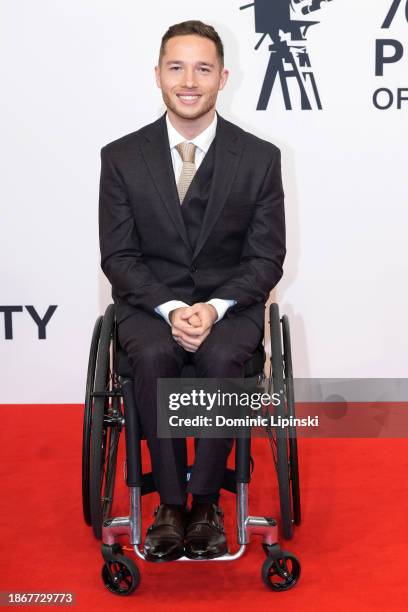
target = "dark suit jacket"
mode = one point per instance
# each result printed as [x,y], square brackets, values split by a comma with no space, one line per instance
[145,250]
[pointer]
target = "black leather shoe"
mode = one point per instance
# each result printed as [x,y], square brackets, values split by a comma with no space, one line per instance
[205,534]
[165,537]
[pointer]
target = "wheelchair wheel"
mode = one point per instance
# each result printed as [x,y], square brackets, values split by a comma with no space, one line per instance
[120,576]
[86,432]
[290,398]
[105,427]
[284,451]
[281,574]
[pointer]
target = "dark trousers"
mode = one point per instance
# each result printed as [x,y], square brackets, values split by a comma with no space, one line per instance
[153,354]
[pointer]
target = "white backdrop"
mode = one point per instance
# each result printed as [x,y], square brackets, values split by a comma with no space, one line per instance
[77,74]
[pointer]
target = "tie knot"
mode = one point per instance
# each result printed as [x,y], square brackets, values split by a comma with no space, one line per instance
[187,151]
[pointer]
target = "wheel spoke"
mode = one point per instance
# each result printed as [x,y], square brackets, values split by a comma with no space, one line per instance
[128,580]
[110,472]
[116,566]
[282,569]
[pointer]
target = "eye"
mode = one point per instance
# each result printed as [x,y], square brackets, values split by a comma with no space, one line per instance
[203,69]
[175,68]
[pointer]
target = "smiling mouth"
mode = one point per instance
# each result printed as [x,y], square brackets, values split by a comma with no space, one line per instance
[189,98]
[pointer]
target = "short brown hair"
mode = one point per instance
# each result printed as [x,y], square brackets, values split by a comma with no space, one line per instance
[193,27]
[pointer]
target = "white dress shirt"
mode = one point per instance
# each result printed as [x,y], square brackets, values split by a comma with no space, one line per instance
[203,142]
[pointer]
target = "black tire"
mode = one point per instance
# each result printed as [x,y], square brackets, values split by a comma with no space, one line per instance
[105,429]
[290,399]
[281,574]
[86,432]
[279,434]
[120,576]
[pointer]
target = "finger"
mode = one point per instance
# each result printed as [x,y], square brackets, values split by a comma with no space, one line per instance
[187,335]
[197,345]
[195,333]
[188,330]
[190,340]
[188,347]
[200,329]
[191,310]
[195,320]
[197,341]
[182,327]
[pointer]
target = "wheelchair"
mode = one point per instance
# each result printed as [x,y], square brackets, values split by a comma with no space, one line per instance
[110,407]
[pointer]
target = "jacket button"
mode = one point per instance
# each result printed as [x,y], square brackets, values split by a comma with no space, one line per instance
[193,269]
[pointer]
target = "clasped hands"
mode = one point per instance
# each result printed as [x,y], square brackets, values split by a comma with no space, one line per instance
[190,325]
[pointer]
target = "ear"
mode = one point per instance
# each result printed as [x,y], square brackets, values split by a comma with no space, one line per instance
[224,78]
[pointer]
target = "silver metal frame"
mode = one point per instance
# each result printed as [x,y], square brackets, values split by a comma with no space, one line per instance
[246,526]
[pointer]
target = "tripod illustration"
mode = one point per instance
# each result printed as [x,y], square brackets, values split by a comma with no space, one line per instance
[287,59]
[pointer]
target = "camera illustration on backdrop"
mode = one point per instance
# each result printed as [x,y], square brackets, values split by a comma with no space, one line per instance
[285,23]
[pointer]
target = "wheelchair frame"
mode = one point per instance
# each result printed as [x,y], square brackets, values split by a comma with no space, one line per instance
[103,422]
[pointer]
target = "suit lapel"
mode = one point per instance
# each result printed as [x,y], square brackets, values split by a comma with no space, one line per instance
[156,152]
[228,147]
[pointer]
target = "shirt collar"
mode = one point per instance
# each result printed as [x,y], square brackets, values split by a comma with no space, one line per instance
[202,141]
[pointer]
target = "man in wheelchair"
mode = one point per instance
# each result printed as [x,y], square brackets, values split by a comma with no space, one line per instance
[192,238]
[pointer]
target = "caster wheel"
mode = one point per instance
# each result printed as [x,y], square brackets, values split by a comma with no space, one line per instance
[120,576]
[281,574]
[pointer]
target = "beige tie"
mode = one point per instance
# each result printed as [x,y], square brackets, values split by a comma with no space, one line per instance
[187,154]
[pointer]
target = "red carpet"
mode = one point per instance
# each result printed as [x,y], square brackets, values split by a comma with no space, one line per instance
[352,544]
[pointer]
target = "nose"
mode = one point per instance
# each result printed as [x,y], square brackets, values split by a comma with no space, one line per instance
[190,77]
